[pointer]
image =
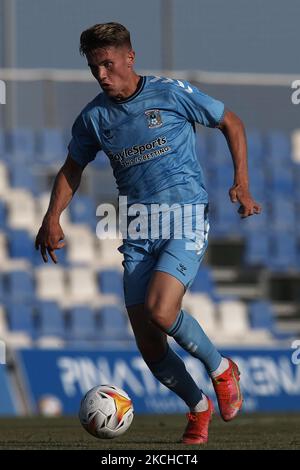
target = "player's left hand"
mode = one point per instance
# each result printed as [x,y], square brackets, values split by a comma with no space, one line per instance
[239,193]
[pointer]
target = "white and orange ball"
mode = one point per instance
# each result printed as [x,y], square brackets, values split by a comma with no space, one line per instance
[50,405]
[106,411]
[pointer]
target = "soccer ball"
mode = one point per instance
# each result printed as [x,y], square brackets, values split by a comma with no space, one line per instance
[49,405]
[106,411]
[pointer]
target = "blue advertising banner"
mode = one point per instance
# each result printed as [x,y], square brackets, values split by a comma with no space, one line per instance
[270,378]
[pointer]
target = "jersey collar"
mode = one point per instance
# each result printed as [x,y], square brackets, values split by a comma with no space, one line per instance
[139,88]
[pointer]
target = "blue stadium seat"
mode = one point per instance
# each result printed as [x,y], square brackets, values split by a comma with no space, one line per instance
[280,187]
[219,148]
[222,177]
[83,210]
[225,220]
[283,215]
[21,141]
[203,282]
[22,176]
[281,172]
[296,173]
[20,318]
[20,244]
[2,143]
[262,316]
[257,224]
[257,183]
[278,147]
[82,326]
[50,320]
[256,147]
[2,289]
[278,170]
[113,324]
[111,282]
[2,215]
[20,286]
[51,146]
[257,252]
[284,253]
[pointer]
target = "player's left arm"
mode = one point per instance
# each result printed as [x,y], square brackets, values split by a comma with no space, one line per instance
[233,129]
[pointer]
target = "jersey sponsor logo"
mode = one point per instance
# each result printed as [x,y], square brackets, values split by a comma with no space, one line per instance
[153,117]
[145,157]
[136,153]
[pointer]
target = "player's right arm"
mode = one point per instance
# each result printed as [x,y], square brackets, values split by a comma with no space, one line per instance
[82,150]
[50,236]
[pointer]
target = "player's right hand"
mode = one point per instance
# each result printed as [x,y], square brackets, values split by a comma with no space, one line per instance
[49,239]
[241,194]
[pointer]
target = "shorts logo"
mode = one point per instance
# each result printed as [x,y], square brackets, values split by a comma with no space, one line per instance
[181,268]
[153,118]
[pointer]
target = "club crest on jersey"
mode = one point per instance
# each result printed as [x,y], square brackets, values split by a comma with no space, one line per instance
[108,134]
[153,118]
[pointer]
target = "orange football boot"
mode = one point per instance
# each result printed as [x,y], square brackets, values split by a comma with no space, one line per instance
[196,431]
[228,391]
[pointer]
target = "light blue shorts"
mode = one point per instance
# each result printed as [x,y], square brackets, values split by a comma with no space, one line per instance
[180,258]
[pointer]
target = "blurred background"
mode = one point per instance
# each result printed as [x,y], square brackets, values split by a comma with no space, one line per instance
[64,327]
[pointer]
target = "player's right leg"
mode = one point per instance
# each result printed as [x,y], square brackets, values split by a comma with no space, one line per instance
[170,370]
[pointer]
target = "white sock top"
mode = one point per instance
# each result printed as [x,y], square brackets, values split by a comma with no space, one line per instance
[202,405]
[224,364]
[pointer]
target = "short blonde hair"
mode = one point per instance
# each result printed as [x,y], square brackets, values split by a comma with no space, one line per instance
[104,35]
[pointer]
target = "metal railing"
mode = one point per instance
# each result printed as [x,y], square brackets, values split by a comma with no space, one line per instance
[52,90]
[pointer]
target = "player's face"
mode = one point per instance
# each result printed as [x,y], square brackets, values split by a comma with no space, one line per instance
[112,68]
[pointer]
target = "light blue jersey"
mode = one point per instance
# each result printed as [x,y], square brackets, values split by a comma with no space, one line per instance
[149,139]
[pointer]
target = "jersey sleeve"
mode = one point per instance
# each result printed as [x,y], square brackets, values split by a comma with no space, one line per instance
[83,146]
[197,106]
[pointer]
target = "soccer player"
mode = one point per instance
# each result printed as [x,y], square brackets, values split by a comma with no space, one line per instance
[146,126]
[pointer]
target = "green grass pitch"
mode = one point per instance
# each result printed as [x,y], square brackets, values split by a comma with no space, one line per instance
[155,432]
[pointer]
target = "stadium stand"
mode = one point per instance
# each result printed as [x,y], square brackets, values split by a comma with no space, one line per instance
[110,282]
[82,324]
[113,323]
[20,318]
[50,321]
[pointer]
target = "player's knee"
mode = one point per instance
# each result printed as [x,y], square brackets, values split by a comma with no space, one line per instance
[161,314]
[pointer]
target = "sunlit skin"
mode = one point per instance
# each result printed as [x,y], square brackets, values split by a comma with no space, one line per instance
[112,67]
